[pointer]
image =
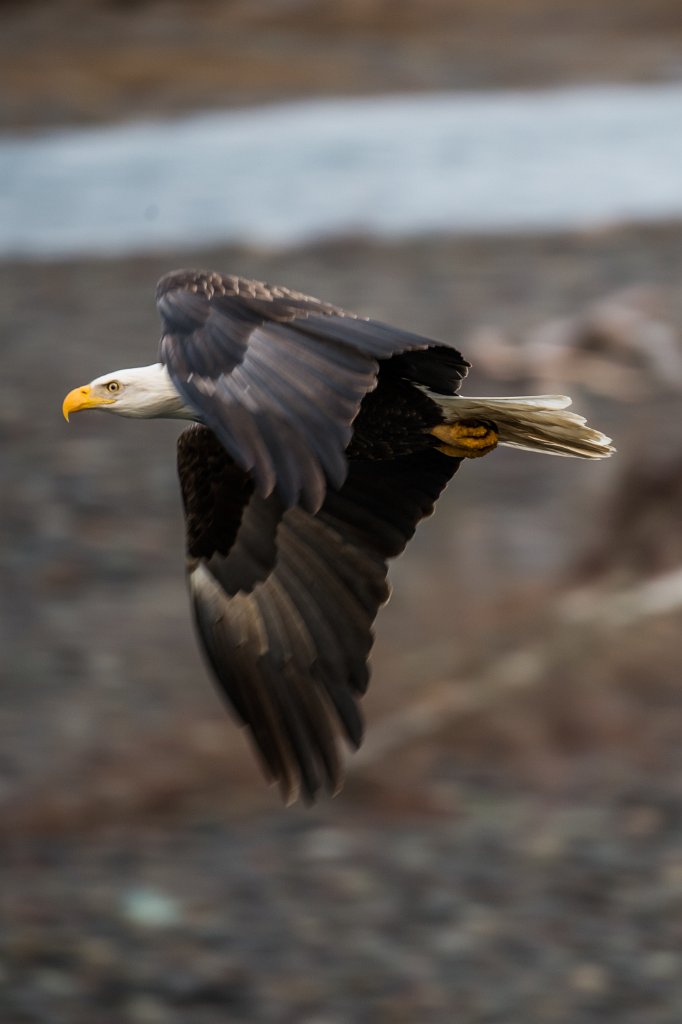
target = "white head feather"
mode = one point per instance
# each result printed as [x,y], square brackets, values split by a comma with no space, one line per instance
[143,392]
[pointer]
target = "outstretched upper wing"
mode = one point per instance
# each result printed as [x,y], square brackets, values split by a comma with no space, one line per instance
[284,600]
[278,376]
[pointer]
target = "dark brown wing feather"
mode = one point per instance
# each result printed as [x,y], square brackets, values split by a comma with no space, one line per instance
[284,600]
[279,376]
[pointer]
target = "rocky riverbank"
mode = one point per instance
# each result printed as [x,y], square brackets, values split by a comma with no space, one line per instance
[507,846]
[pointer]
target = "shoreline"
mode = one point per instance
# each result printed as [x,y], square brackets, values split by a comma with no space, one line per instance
[69,63]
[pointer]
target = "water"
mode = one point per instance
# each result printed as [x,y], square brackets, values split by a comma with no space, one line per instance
[390,166]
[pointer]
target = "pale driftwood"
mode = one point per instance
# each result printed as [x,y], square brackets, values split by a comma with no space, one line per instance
[521,669]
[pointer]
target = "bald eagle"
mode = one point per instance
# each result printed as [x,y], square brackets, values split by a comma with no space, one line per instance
[319,439]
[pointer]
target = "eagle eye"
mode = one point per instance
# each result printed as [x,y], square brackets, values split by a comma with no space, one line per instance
[113,386]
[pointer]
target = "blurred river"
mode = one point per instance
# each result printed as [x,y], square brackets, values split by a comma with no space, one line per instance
[390,166]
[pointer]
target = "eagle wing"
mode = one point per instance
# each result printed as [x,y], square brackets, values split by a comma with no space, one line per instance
[277,376]
[284,599]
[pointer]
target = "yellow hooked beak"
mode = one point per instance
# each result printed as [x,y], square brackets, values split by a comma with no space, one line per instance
[83,398]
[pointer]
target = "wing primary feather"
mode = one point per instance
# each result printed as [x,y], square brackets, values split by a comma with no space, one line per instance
[286,572]
[280,376]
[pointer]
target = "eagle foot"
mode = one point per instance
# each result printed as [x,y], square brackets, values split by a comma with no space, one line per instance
[466,439]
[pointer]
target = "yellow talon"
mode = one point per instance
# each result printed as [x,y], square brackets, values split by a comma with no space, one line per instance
[466,439]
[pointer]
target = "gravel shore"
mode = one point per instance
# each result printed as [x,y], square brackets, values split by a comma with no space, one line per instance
[519,910]
[84,61]
[517,859]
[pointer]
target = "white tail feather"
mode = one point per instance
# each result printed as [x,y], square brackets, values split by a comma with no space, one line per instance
[536,423]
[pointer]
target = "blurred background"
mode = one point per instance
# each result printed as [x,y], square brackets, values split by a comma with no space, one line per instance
[500,174]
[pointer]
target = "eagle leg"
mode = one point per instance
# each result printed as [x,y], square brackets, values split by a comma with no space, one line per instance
[466,439]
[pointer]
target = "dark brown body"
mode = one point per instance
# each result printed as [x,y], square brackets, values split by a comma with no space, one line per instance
[294,510]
